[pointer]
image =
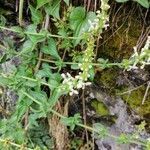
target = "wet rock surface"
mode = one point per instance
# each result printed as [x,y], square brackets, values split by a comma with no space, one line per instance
[125,122]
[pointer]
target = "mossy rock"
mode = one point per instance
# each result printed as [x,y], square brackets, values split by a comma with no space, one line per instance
[107,78]
[134,100]
[120,44]
[100,108]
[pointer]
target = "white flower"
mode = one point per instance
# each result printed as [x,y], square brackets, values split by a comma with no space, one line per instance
[63,75]
[79,84]
[148,139]
[106,25]
[68,74]
[88,83]
[79,64]
[98,12]
[90,22]
[71,93]
[90,66]
[96,20]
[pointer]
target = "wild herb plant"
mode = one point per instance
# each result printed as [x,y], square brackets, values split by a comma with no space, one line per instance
[29,72]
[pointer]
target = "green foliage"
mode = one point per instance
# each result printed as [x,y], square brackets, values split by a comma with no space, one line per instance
[79,22]
[18,30]
[41,3]
[51,48]
[38,79]
[121,1]
[36,15]
[148,145]
[100,130]
[124,139]
[67,2]
[144,3]
[53,8]
[72,121]
[2,20]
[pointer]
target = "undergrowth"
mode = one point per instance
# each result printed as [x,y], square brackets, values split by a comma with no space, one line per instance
[54,56]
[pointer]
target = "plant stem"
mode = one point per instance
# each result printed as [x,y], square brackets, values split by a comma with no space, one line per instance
[40,34]
[13,144]
[73,63]
[84,126]
[20,12]
[35,80]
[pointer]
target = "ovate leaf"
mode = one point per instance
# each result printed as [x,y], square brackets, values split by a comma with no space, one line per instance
[101,130]
[76,16]
[91,73]
[18,30]
[36,15]
[53,8]
[51,48]
[121,1]
[54,98]
[72,121]
[28,46]
[34,36]
[40,3]
[5,81]
[79,22]
[54,80]
[44,72]
[67,2]
[22,106]
[2,20]
[144,3]
[75,66]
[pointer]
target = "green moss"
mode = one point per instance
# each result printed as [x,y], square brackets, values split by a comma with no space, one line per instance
[108,78]
[120,44]
[134,100]
[100,108]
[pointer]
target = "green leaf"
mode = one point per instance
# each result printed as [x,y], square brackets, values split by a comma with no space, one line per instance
[33,119]
[75,66]
[5,81]
[67,2]
[53,84]
[36,15]
[19,30]
[54,80]
[31,29]
[103,63]
[100,130]
[92,73]
[79,22]
[51,49]
[72,121]
[76,16]
[27,47]
[121,1]
[22,108]
[53,8]
[39,96]
[2,20]
[124,139]
[34,36]
[54,98]
[40,3]
[30,84]
[44,72]
[144,3]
